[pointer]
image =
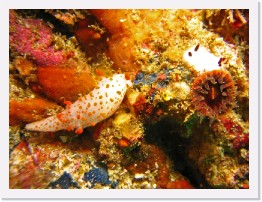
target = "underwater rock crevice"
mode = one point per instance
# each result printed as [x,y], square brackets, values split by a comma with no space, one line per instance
[168,135]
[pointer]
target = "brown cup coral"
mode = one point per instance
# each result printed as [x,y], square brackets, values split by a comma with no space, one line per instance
[213,93]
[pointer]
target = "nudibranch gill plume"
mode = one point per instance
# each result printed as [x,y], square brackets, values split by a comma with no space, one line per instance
[88,110]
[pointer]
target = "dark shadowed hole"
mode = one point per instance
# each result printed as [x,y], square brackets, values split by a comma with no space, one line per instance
[167,135]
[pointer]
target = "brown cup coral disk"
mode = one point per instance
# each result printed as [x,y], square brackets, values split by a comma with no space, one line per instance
[213,93]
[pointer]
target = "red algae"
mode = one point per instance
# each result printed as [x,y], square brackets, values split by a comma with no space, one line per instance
[34,38]
[143,109]
[234,128]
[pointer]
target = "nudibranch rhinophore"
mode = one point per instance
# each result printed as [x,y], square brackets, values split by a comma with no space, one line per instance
[88,110]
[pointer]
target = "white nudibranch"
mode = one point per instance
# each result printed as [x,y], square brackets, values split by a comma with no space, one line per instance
[201,59]
[88,110]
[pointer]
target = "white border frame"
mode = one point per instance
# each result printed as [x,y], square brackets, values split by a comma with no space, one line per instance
[251,193]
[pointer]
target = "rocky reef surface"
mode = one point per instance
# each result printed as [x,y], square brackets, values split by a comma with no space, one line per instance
[180,120]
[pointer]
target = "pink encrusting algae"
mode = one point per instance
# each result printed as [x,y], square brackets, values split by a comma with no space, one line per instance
[88,110]
[34,38]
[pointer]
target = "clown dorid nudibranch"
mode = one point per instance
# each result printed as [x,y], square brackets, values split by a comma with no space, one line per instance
[88,110]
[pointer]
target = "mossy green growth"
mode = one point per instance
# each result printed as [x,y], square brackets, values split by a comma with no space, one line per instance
[133,152]
[192,121]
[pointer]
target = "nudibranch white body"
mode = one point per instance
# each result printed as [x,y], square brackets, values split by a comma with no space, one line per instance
[201,59]
[88,110]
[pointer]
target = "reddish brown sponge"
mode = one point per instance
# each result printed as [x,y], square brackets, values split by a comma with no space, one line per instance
[91,40]
[213,93]
[29,110]
[64,84]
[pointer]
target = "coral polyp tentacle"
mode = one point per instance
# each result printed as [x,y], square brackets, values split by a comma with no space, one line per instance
[88,110]
[206,86]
